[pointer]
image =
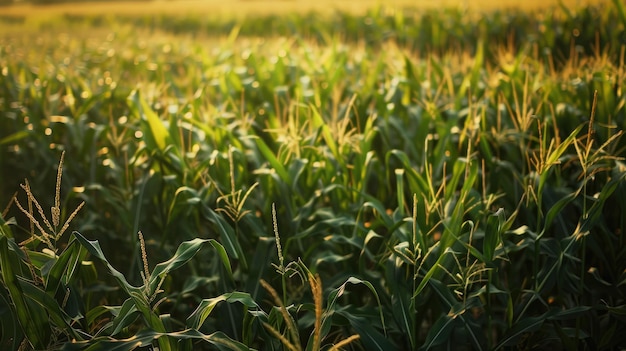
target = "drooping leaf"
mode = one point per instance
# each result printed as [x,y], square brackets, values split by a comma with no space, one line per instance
[206,306]
[95,250]
[336,293]
[184,253]
[231,244]
[146,338]
[273,161]
[126,315]
[370,338]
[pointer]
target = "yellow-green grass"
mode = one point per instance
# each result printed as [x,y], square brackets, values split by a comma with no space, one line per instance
[252,7]
[31,18]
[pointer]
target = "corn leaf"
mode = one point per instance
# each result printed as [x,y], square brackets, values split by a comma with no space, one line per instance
[32,319]
[206,306]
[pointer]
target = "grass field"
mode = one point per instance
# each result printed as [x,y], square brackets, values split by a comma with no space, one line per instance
[196,176]
[265,7]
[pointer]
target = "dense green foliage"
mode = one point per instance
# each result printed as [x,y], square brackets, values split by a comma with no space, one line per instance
[400,181]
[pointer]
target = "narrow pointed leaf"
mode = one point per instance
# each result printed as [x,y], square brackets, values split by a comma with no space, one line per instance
[273,161]
[206,306]
[439,332]
[184,253]
[31,321]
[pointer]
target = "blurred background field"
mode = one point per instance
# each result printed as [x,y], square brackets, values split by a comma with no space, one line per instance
[255,7]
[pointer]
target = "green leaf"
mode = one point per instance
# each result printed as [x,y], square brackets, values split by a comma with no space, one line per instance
[439,332]
[14,138]
[555,155]
[335,294]
[556,208]
[380,210]
[416,180]
[206,306]
[11,335]
[273,161]
[145,338]
[621,10]
[137,294]
[33,321]
[524,326]
[607,337]
[50,312]
[155,132]
[229,239]
[370,338]
[457,310]
[431,272]
[318,122]
[184,253]
[258,266]
[493,233]
[570,313]
[95,250]
[126,315]
[404,309]
[5,230]
[95,314]
[67,261]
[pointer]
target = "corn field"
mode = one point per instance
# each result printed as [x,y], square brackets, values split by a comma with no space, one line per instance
[400,179]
